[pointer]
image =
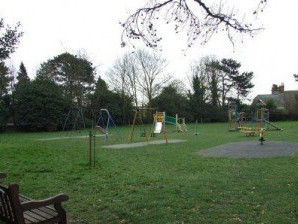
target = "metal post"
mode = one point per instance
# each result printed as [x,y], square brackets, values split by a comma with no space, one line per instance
[196,133]
[90,149]
[93,150]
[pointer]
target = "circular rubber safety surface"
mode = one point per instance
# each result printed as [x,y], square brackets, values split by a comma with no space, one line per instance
[252,149]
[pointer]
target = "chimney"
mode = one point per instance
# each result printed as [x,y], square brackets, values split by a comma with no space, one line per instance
[282,88]
[274,89]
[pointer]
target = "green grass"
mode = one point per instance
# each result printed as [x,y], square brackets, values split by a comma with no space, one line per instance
[157,184]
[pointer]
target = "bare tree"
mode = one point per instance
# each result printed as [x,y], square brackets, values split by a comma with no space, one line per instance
[132,77]
[12,75]
[122,76]
[199,19]
[117,75]
[140,75]
[152,76]
[199,69]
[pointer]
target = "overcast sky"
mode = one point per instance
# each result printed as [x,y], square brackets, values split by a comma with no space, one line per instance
[52,27]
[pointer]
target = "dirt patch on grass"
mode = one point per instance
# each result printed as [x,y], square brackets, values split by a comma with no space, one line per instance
[252,149]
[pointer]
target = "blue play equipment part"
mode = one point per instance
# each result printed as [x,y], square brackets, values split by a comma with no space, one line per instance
[104,122]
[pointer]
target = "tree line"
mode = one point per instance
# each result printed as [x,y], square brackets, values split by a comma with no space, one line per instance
[69,81]
[138,79]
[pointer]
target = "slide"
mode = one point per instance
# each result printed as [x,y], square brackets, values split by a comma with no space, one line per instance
[157,128]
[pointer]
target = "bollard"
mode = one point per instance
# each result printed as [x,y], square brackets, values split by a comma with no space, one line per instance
[91,149]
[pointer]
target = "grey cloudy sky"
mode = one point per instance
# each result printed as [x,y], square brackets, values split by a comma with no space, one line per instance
[92,26]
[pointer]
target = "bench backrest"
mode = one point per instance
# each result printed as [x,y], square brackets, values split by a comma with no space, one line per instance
[10,207]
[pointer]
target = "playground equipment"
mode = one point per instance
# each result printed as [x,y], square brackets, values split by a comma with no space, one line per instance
[262,136]
[262,120]
[138,121]
[248,132]
[104,121]
[159,124]
[262,117]
[239,121]
[233,116]
[179,123]
[74,120]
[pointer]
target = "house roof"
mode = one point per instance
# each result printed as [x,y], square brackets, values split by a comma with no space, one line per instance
[281,99]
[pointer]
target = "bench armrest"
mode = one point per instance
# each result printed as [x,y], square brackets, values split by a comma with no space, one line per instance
[34,204]
[2,175]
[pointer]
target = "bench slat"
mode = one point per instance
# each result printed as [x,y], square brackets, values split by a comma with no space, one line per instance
[43,214]
[30,218]
[48,210]
[6,207]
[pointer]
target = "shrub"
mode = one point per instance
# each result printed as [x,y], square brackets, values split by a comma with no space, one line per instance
[40,105]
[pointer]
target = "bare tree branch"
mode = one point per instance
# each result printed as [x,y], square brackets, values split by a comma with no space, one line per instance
[200,23]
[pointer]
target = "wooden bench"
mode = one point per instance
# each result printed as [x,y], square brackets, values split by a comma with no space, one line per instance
[18,209]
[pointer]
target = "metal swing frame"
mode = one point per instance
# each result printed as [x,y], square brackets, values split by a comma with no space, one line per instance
[105,127]
[78,112]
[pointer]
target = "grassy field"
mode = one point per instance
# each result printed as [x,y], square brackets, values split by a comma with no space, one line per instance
[157,184]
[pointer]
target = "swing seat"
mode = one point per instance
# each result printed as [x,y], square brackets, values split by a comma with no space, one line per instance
[102,129]
[152,134]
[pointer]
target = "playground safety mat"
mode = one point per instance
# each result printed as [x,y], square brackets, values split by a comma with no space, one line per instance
[66,137]
[140,144]
[252,149]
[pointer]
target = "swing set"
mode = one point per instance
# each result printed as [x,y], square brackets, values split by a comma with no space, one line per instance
[74,120]
[103,123]
[158,123]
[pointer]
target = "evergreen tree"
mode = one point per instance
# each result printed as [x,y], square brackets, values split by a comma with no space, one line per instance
[118,104]
[213,86]
[4,79]
[22,75]
[4,111]
[40,105]
[74,74]
[243,84]
[198,98]
[228,70]
[101,85]
[214,111]
[172,101]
